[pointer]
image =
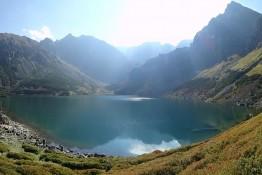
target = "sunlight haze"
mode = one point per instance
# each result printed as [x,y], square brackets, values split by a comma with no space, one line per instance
[118,22]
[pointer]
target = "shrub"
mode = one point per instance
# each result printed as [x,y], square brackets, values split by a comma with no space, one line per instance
[251,165]
[52,157]
[164,171]
[19,156]
[58,170]
[26,162]
[30,148]
[8,171]
[32,170]
[198,156]
[75,163]
[3,148]
[81,165]
[7,167]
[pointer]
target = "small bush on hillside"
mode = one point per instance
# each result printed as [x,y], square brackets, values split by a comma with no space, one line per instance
[164,171]
[32,170]
[74,162]
[19,156]
[7,167]
[198,156]
[3,148]
[58,170]
[251,165]
[30,148]
[81,165]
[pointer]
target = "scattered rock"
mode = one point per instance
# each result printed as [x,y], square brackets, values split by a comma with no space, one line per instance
[3,119]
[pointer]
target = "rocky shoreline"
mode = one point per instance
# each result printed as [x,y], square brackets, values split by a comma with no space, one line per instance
[12,132]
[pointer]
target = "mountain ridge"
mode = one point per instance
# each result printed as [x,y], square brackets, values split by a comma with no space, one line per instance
[27,68]
[92,56]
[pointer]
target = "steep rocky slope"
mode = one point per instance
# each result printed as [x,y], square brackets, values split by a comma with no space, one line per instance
[232,32]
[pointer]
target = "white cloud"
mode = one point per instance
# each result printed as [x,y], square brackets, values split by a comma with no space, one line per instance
[40,34]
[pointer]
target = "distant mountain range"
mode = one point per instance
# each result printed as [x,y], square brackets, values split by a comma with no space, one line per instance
[236,31]
[27,68]
[138,55]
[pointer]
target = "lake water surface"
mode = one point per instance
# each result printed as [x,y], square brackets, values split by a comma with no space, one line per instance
[122,125]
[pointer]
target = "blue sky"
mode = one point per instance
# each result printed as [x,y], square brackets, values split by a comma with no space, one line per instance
[119,22]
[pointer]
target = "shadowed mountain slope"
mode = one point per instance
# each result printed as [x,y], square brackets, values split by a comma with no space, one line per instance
[27,68]
[94,57]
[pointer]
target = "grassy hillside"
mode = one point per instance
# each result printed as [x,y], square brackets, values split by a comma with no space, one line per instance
[235,79]
[236,151]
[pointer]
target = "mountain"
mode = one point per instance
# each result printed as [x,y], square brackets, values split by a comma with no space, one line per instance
[227,34]
[257,37]
[27,68]
[184,43]
[233,32]
[236,80]
[94,57]
[138,55]
[158,74]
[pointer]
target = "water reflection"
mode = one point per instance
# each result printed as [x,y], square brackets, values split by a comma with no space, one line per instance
[129,147]
[122,125]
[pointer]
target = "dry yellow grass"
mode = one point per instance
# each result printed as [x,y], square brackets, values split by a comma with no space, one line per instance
[248,60]
[234,63]
[219,69]
[256,70]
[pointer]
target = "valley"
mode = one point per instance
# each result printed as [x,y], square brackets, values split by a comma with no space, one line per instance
[76,104]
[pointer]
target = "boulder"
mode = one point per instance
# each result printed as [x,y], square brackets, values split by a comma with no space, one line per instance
[3,119]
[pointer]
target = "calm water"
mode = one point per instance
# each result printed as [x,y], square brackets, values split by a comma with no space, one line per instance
[122,125]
